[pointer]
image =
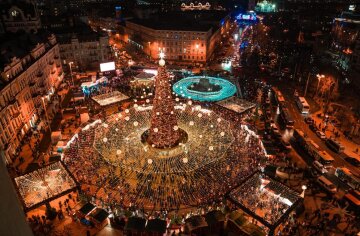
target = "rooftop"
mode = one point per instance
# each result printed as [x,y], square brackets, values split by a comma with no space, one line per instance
[265,199]
[25,6]
[190,20]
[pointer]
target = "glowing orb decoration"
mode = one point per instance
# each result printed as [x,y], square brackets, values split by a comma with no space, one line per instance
[105,140]
[162,62]
[192,169]
[183,89]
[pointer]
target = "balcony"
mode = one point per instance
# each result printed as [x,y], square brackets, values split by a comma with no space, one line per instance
[56,57]
[32,83]
[58,65]
[15,115]
[51,63]
[40,74]
[12,101]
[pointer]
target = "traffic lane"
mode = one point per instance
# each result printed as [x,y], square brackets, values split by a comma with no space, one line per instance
[300,124]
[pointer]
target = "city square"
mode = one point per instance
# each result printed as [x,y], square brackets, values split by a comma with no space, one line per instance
[179,117]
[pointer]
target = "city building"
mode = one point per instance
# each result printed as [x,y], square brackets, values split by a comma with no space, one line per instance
[183,41]
[78,43]
[20,15]
[265,7]
[84,50]
[30,72]
[346,40]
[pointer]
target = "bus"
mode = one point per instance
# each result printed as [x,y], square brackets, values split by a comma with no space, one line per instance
[335,145]
[352,158]
[278,96]
[287,118]
[299,136]
[312,148]
[302,105]
[346,176]
[324,158]
[353,197]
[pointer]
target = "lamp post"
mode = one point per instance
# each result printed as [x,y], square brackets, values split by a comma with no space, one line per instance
[304,187]
[319,77]
[72,78]
[197,52]
[71,74]
[46,115]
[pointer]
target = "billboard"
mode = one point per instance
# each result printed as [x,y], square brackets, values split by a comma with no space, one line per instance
[108,66]
[250,16]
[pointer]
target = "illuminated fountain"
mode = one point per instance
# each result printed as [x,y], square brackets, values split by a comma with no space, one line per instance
[203,88]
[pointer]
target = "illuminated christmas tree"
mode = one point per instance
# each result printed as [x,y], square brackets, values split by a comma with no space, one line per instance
[164,132]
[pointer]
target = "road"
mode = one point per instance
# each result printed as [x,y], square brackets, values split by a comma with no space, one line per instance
[300,124]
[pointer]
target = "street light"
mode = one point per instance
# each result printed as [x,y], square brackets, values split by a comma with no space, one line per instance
[71,74]
[304,187]
[319,77]
[197,52]
[46,115]
[149,49]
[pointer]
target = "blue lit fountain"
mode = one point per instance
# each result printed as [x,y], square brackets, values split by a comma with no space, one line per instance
[204,88]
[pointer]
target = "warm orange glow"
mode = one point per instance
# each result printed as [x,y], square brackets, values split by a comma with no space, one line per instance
[347,51]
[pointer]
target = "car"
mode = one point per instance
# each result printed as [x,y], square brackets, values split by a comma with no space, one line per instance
[313,127]
[309,120]
[319,167]
[321,135]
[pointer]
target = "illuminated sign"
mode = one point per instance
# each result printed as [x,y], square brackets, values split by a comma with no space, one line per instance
[247,16]
[108,66]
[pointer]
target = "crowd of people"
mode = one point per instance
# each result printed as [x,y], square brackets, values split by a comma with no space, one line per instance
[164,187]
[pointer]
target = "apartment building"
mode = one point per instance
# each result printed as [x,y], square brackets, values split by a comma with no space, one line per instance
[30,72]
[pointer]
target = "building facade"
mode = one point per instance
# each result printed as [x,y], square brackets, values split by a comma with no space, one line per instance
[346,40]
[27,81]
[85,51]
[181,44]
[20,16]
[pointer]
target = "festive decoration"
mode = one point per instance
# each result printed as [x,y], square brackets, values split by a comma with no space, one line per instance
[163,119]
[45,183]
[215,89]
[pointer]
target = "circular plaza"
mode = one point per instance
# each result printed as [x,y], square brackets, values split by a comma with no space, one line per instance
[204,88]
[110,161]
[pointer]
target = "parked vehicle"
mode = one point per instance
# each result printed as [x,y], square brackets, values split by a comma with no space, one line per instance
[326,184]
[335,145]
[309,120]
[319,167]
[321,135]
